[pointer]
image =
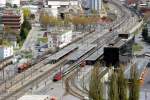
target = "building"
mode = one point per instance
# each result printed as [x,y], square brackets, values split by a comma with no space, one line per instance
[96,5]
[2,3]
[35,97]
[55,5]
[14,2]
[131,2]
[148,28]
[12,19]
[119,51]
[6,51]
[1,28]
[92,5]
[58,39]
[144,6]
[33,8]
[10,37]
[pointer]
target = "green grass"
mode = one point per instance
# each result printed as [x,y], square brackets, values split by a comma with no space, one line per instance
[5,42]
[137,47]
[44,40]
[21,43]
[27,54]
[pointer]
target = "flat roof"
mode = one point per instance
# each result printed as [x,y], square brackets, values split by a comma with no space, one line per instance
[95,55]
[59,32]
[92,40]
[80,52]
[119,44]
[63,52]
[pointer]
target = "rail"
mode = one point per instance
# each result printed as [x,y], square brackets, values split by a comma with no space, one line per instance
[74,90]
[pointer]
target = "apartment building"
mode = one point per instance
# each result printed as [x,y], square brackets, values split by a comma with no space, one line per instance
[12,2]
[12,19]
[58,39]
[2,3]
[6,51]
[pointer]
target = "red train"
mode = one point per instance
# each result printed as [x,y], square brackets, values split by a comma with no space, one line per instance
[24,66]
[57,76]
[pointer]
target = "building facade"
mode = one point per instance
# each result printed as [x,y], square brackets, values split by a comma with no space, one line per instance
[56,4]
[119,51]
[12,2]
[96,5]
[12,19]
[6,51]
[93,5]
[59,39]
[2,3]
[148,28]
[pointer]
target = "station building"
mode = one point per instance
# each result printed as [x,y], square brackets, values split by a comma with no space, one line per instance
[119,51]
[58,39]
[6,51]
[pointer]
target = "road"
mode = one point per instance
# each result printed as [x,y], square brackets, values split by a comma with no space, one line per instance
[32,38]
[145,89]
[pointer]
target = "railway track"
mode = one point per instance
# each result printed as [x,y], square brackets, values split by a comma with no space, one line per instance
[70,84]
[38,66]
[41,66]
[71,90]
[23,75]
[41,75]
[42,61]
[71,72]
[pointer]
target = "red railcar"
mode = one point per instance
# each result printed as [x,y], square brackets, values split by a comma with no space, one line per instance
[57,76]
[23,67]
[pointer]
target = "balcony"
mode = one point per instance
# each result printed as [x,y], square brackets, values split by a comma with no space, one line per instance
[11,16]
[12,23]
[11,19]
